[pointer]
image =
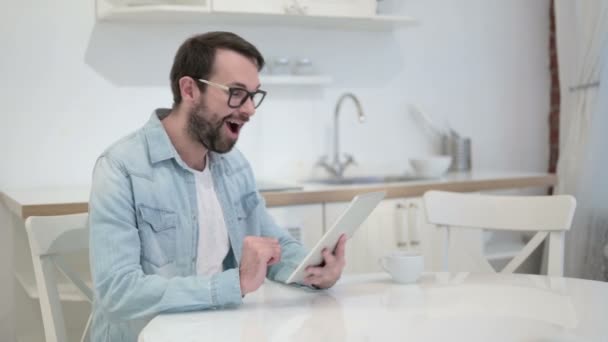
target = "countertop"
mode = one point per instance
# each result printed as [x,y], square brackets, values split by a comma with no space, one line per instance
[74,199]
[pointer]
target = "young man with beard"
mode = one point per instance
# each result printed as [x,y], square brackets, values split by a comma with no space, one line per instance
[176,223]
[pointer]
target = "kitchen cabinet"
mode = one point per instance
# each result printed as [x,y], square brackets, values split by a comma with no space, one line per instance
[248,6]
[393,225]
[316,14]
[303,222]
[303,7]
[347,8]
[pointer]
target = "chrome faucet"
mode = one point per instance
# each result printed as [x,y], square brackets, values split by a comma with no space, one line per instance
[336,167]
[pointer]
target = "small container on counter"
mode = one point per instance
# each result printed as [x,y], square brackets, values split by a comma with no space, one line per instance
[460,149]
[303,66]
[281,66]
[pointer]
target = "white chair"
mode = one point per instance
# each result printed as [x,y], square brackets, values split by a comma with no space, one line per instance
[550,216]
[49,237]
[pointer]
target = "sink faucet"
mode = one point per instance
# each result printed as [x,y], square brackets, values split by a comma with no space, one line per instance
[336,167]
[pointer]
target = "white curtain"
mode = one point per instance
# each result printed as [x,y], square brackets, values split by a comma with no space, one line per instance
[581,34]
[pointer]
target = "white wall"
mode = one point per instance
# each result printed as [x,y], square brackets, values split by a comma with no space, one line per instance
[71,86]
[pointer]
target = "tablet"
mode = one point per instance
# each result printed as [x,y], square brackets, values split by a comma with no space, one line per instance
[358,210]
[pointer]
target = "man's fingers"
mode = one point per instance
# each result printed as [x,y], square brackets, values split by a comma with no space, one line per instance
[314,271]
[313,280]
[275,256]
[341,247]
[329,258]
[272,259]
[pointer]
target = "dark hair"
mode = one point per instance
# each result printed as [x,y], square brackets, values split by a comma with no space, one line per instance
[196,56]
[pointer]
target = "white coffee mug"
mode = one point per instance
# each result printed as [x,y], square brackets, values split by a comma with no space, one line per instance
[404,267]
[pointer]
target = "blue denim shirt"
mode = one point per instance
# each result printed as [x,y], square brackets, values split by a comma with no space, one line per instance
[144,233]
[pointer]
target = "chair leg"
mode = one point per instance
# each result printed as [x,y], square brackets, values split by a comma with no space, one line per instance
[446,259]
[85,334]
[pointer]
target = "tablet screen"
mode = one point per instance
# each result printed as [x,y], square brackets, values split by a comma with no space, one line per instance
[358,210]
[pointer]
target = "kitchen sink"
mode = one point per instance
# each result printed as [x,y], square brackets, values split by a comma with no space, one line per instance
[365,180]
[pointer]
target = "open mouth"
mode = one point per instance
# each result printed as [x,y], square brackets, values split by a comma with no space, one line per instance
[234,126]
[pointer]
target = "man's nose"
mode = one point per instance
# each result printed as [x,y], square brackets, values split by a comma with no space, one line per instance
[248,107]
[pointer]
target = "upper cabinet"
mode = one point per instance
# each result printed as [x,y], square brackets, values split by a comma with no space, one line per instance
[340,14]
[244,6]
[338,8]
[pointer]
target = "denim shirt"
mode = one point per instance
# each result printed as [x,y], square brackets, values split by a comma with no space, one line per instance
[144,233]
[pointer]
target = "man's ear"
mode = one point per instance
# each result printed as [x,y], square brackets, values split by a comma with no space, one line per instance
[188,89]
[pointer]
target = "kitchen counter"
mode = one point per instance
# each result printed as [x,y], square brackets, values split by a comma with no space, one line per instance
[69,200]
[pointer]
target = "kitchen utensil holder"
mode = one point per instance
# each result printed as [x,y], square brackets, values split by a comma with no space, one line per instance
[460,150]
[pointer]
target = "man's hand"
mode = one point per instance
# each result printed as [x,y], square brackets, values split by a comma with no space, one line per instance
[326,275]
[258,254]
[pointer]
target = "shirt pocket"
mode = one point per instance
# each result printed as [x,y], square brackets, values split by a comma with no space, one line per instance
[246,205]
[157,231]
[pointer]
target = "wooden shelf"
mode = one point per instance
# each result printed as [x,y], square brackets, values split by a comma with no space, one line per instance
[202,15]
[295,80]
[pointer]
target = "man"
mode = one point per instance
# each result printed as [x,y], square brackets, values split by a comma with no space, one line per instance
[176,221]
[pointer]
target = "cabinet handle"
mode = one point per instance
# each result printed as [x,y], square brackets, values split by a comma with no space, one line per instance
[412,217]
[401,229]
[406,225]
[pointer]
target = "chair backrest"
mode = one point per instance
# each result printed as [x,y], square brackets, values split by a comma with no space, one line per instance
[548,215]
[49,238]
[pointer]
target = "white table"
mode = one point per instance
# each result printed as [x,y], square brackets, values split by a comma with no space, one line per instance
[440,307]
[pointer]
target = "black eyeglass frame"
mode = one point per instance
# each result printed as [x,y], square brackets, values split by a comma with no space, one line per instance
[231,91]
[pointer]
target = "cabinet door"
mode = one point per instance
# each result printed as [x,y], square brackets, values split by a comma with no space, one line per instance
[303,222]
[374,238]
[248,6]
[396,224]
[347,8]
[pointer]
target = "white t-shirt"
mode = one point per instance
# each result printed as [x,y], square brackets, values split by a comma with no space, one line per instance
[213,243]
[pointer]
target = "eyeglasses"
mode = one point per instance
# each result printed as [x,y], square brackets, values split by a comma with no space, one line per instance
[237,96]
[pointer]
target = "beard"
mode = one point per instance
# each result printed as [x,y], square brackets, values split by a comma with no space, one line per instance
[208,133]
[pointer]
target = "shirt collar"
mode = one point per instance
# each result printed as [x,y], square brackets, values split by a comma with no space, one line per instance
[159,145]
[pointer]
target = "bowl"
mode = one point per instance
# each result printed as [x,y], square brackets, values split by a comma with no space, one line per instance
[431,167]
